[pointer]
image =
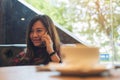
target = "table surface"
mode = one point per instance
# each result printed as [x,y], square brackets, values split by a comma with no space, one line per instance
[31,73]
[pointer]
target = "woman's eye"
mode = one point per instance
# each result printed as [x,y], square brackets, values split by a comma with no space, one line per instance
[39,30]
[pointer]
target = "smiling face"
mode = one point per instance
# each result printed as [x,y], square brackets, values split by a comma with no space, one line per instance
[36,33]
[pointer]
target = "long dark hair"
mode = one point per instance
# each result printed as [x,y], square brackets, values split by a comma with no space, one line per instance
[51,29]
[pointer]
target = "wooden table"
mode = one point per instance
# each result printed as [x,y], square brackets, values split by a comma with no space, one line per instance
[30,73]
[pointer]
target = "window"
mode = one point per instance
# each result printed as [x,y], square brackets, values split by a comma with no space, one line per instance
[94,21]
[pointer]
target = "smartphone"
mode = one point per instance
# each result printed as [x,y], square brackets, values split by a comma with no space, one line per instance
[43,44]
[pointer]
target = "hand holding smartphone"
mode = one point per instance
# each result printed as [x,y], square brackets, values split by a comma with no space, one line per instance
[43,44]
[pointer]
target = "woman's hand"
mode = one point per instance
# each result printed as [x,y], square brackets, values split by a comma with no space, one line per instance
[49,47]
[48,42]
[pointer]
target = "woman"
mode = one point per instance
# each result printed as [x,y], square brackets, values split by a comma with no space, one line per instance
[43,43]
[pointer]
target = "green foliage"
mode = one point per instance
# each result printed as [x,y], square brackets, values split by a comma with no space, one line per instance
[53,11]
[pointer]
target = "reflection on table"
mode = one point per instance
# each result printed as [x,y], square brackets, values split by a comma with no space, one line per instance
[30,73]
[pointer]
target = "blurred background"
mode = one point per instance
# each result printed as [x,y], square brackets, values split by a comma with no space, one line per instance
[88,22]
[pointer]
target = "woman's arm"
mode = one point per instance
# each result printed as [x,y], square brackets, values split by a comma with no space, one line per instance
[54,57]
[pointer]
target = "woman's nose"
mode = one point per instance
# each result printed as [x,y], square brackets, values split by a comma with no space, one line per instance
[35,34]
